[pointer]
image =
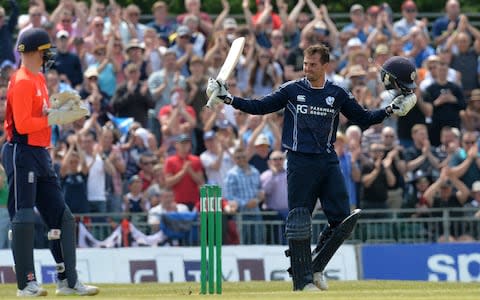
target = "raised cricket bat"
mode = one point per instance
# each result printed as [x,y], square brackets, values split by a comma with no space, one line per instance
[230,62]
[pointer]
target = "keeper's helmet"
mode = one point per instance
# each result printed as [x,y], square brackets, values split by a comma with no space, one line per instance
[37,39]
[399,73]
[34,39]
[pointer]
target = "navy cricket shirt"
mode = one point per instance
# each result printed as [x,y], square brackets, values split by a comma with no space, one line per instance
[311,114]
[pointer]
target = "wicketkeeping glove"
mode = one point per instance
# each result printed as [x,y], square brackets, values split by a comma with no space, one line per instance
[58,100]
[402,104]
[66,107]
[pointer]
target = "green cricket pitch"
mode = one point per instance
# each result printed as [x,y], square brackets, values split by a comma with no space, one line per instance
[345,290]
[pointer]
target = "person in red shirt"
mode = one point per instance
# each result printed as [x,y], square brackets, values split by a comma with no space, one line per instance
[184,173]
[265,15]
[32,180]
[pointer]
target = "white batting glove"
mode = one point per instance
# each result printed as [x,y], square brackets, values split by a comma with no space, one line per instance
[219,88]
[402,104]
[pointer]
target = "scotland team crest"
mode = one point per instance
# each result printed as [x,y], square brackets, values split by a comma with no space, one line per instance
[329,100]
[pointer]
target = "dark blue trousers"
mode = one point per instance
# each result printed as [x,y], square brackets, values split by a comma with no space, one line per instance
[313,176]
[32,181]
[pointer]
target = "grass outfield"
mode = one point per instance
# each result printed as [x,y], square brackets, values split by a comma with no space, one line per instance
[347,290]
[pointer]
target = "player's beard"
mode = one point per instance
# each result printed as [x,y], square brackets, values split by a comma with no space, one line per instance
[311,77]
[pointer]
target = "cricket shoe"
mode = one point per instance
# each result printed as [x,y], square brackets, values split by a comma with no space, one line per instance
[33,289]
[320,281]
[79,289]
[310,287]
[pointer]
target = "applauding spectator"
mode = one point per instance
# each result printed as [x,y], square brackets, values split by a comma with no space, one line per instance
[184,173]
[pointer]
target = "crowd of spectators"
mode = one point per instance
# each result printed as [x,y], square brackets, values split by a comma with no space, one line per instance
[156,73]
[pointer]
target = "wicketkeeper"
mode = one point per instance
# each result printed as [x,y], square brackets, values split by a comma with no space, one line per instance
[312,108]
[31,178]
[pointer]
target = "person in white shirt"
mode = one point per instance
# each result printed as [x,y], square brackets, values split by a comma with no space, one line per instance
[162,201]
[217,159]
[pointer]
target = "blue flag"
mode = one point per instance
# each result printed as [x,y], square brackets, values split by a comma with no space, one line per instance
[123,124]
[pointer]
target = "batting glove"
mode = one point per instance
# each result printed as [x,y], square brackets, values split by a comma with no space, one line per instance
[218,87]
[402,104]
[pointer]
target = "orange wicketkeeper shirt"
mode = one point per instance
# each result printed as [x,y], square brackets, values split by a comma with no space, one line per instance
[27,100]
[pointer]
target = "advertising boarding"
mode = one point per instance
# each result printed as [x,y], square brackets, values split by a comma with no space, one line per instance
[431,262]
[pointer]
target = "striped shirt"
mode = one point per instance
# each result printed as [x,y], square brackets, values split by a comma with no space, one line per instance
[242,186]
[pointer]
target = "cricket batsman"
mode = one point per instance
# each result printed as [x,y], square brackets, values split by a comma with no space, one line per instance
[312,108]
[31,177]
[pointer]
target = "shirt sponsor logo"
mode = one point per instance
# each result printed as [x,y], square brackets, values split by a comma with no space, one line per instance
[39,93]
[301,98]
[314,110]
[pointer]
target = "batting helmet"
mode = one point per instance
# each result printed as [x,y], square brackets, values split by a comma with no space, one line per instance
[34,39]
[399,73]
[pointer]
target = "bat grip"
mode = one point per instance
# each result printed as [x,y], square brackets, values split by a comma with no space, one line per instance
[212,97]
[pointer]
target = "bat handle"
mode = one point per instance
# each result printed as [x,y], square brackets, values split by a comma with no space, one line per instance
[212,97]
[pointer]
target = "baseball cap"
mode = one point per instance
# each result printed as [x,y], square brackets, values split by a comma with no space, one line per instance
[230,23]
[183,30]
[153,190]
[183,138]
[7,64]
[356,71]
[133,179]
[419,174]
[134,43]
[34,39]
[356,7]
[91,72]
[62,34]
[261,140]
[209,135]
[354,42]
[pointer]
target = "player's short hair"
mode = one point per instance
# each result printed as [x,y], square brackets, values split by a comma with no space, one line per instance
[320,49]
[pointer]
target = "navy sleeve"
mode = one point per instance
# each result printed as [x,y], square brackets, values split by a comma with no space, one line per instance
[268,104]
[360,116]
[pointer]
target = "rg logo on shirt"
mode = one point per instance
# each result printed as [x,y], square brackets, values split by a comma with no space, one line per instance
[302,108]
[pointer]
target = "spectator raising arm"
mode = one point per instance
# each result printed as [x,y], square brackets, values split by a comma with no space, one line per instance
[291,23]
[218,25]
